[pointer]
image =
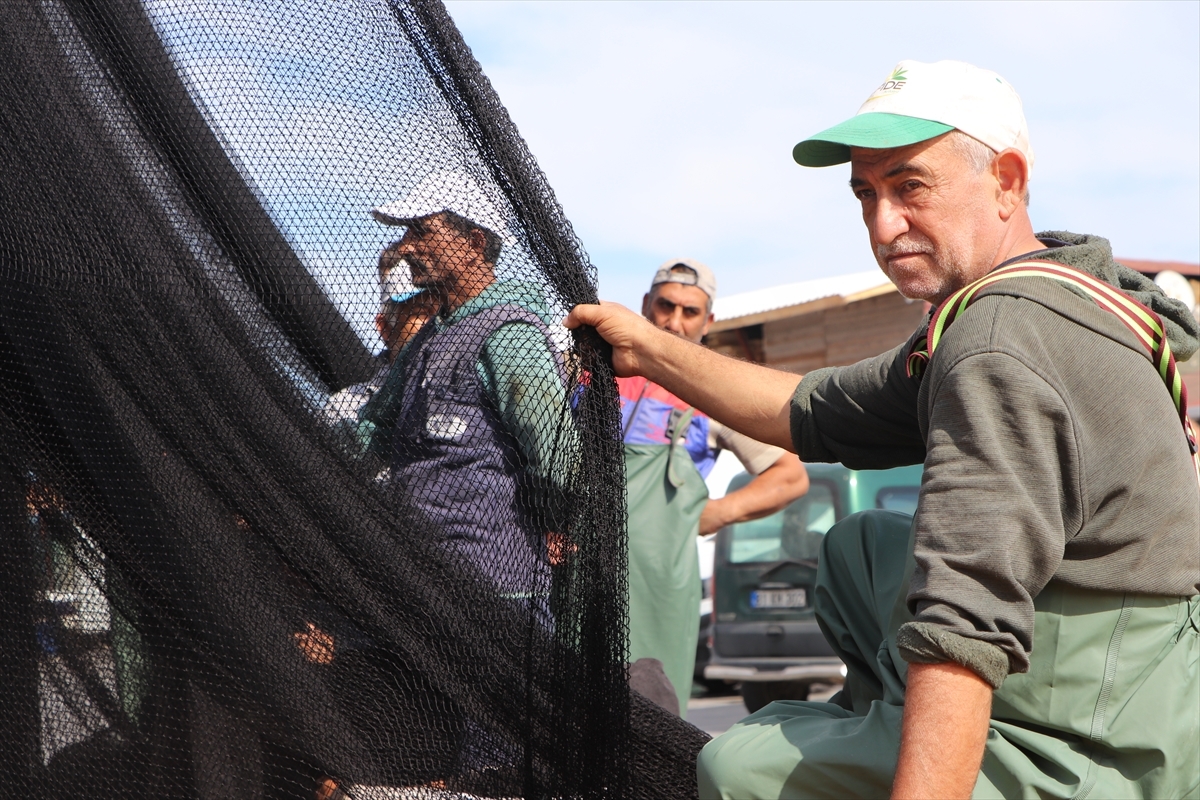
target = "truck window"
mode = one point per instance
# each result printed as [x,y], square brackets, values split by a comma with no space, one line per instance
[794,533]
[898,498]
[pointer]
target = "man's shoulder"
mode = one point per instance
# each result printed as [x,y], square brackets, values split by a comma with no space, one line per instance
[500,315]
[506,322]
[504,301]
[501,330]
[1037,321]
[522,344]
[1015,345]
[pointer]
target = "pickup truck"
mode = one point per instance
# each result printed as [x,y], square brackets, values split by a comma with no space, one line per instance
[764,634]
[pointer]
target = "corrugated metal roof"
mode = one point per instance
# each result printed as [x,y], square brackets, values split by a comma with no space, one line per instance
[747,304]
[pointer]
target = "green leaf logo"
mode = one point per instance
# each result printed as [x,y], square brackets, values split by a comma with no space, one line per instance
[895,82]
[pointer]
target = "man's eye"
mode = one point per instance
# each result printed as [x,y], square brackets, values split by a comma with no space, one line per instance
[863,194]
[911,186]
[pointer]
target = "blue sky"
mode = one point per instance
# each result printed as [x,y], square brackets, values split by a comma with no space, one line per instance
[666,128]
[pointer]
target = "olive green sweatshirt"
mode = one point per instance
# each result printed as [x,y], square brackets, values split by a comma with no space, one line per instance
[1052,452]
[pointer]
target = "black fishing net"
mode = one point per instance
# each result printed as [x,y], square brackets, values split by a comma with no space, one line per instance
[249,551]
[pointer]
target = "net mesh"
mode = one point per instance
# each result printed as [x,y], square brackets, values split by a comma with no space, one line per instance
[251,550]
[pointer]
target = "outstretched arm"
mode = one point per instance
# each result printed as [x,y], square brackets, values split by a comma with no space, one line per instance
[749,398]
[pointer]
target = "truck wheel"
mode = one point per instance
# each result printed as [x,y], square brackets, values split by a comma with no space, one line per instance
[756,694]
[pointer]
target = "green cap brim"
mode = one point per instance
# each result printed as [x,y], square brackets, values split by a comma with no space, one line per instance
[876,131]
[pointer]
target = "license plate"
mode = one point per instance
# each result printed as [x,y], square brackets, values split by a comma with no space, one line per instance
[779,598]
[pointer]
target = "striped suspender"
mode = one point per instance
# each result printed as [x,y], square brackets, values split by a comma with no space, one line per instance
[1144,323]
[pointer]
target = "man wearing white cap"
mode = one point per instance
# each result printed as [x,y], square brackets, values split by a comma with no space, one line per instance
[667,497]
[473,418]
[1034,630]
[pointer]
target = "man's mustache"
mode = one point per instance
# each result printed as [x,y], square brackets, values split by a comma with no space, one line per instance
[904,247]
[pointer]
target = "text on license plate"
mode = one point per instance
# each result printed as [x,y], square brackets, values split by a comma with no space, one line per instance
[778,598]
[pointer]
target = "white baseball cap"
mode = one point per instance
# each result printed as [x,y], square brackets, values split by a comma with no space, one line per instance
[687,271]
[451,190]
[920,101]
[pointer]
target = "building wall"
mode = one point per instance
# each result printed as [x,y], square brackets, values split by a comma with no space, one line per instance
[840,336]
[1190,371]
[742,343]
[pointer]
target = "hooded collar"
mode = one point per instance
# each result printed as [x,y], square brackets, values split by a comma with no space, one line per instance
[1093,255]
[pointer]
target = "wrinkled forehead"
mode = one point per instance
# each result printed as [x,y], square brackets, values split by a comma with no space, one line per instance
[926,159]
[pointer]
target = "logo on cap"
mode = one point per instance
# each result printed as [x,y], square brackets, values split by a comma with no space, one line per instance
[895,82]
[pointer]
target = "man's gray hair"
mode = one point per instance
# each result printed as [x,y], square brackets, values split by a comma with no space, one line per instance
[977,154]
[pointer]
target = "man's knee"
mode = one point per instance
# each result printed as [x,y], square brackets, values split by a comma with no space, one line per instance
[861,539]
[756,758]
[861,576]
[723,767]
[803,750]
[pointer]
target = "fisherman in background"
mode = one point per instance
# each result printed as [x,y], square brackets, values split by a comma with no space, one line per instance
[473,419]
[670,448]
[403,311]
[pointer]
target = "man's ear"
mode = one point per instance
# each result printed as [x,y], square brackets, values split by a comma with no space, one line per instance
[478,240]
[646,305]
[381,325]
[1011,171]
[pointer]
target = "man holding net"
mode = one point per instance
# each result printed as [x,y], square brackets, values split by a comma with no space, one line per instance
[1034,630]
[473,418]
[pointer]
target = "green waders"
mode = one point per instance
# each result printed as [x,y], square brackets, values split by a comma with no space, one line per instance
[1110,707]
[666,496]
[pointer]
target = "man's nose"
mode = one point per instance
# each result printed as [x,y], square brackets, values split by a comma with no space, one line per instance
[675,321]
[889,221]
